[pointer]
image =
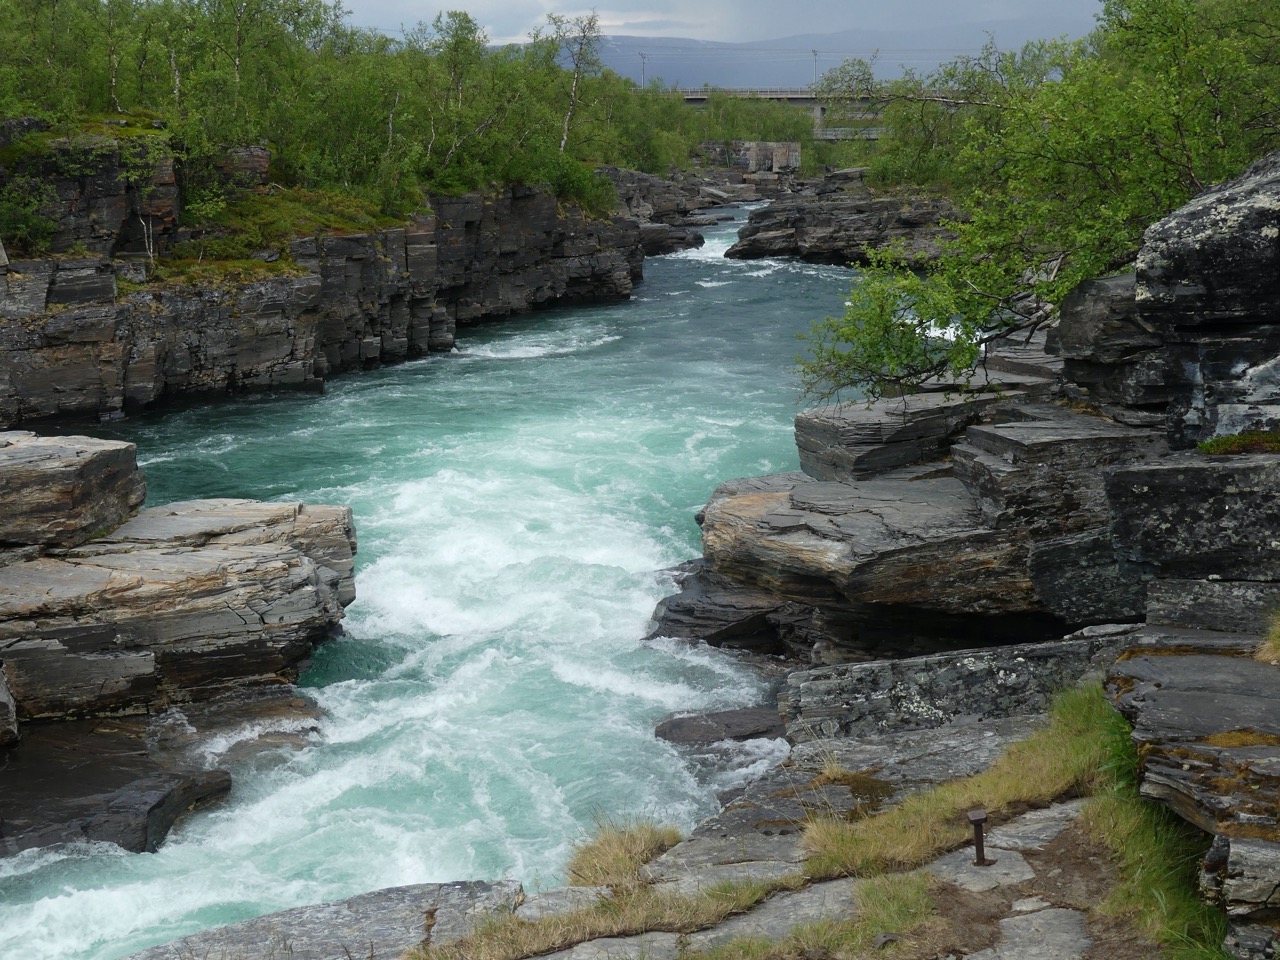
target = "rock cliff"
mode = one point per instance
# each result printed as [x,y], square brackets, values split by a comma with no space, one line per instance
[840,220]
[74,342]
[1045,496]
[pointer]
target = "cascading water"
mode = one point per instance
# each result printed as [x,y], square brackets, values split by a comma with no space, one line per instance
[514,502]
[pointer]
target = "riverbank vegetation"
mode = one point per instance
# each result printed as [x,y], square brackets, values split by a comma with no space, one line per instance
[1059,156]
[343,110]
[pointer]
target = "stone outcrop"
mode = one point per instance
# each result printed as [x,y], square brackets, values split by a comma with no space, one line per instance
[1208,725]
[71,344]
[952,509]
[180,602]
[841,226]
[1208,278]
[60,492]
[922,693]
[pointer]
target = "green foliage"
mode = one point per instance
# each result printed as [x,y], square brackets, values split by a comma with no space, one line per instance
[1060,155]
[239,229]
[1251,441]
[25,227]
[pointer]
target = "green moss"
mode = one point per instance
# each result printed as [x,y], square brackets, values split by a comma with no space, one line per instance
[1251,441]
[241,227]
[219,273]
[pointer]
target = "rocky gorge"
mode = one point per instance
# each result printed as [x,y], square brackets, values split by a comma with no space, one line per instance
[1047,497]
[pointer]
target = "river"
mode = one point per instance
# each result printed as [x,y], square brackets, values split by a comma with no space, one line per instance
[516,502]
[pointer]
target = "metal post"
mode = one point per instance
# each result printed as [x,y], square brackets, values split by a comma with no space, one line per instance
[978,817]
[643,58]
[815,67]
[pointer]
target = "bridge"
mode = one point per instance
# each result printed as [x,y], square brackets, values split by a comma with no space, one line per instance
[799,97]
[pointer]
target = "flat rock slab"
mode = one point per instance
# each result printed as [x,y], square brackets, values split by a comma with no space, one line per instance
[777,917]
[381,924]
[557,902]
[647,946]
[1054,934]
[1007,868]
[1036,829]
[746,724]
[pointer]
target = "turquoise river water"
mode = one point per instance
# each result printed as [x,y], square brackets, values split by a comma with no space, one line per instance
[516,502]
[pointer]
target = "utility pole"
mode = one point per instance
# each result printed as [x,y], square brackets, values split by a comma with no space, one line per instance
[815,67]
[643,58]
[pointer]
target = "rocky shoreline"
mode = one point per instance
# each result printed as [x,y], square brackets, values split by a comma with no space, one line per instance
[1051,498]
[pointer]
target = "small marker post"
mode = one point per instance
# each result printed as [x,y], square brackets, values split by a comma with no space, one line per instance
[978,817]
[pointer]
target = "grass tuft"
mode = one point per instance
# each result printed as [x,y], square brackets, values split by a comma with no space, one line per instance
[1269,650]
[1063,758]
[614,855]
[1158,856]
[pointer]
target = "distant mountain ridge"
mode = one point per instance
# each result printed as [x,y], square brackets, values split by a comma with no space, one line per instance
[789,61]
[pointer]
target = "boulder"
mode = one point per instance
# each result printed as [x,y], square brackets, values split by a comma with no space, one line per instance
[62,491]
[1208,278]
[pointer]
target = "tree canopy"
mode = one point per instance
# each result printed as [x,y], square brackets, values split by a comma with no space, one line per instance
[439,108]
[1059,156]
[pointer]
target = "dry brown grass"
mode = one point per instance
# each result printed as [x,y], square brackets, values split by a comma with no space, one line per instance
[1269,650]
[1060,759]
[614,855]
[639,909]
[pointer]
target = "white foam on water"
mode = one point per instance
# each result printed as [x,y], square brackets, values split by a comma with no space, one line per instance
[512,520]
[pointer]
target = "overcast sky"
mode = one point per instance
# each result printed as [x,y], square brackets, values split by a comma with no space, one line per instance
[723,20]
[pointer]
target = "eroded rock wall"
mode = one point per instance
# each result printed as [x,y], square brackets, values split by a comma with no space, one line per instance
[70,344]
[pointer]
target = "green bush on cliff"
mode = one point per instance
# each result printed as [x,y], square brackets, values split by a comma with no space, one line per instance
[1059,155]
[25,226]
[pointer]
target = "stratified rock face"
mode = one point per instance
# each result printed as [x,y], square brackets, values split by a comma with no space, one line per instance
[1208,728]
[60,491]
[1111,356]
[841,227]
[8,711]
[182,602]
[1209,278]
[864,699]
[360,300]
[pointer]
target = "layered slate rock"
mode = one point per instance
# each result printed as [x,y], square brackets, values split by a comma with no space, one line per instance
[1208,278]
[1111,356]
[60,491]
[356,301]
[8,711]
[1043,470]
[1208,728]
[854,700]
[1205,529]
[385,923]
[180,603]
[841,227]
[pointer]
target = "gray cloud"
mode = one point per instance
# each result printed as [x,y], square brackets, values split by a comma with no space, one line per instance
[736,21]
